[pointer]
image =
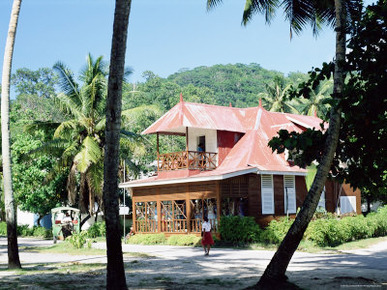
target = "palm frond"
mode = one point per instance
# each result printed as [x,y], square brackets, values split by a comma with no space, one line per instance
[266,7]
[213,3]
[60,130]
[68,105]
[38,125]
[94,178]
[89,154]
[66,80]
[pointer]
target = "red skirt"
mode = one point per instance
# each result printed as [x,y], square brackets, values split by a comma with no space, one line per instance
[207,239]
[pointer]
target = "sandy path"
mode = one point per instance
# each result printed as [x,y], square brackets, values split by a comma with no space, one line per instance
[169,267]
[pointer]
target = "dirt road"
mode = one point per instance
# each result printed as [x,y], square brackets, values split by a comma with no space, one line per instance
[168,267]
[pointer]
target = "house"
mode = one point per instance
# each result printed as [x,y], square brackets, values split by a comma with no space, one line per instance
[234,172]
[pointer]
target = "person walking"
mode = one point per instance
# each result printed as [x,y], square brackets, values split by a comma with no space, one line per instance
[207,240]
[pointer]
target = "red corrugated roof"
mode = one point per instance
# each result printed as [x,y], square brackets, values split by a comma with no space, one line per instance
[250,153]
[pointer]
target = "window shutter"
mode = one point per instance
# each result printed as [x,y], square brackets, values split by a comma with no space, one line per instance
[321,202]
[267,194]
[290,194]
[347,204]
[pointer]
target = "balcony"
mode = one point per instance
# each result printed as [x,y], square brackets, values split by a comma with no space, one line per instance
[193,160]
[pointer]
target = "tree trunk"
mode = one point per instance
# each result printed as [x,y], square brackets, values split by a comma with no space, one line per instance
[115,265]
[10,207]
[274,275]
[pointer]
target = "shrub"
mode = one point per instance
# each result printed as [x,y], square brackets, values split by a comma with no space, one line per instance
[41,232]
[237,229]
[276,230]
[183,240]
[3,228]
[378,222]
[147,239]
[98,229]
[79,240]
[25,231]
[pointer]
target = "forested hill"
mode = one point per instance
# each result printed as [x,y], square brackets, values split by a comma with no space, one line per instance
[239,84]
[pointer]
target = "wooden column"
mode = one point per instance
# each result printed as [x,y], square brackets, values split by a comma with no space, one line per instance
[134,213]
[158,151]
[188,209]
[218,204]
[158,211]
[186,138]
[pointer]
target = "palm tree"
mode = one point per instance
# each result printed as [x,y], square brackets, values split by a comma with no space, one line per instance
[10,207]
[115,264]
[275,97]
[318,101]
[81,135]
[299,14]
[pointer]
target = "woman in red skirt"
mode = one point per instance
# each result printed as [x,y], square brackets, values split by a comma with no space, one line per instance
[207,240]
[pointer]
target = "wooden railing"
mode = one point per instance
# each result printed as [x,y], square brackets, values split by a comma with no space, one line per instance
[187,160]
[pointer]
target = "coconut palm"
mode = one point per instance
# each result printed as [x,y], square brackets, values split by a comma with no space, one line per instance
[299,14]
[115,265]
[79,140]
[275,98]
[318,101]
[10,207]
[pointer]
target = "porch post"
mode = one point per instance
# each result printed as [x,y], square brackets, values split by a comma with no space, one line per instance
[186,139]
[158,152]
[158,214]
[188,209]
[218,203]
[134,213]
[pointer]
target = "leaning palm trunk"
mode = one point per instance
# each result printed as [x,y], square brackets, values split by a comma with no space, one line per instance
[115,265]
[10,207]
[275,271]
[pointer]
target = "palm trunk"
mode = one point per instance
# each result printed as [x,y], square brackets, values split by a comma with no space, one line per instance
[275,271]
[10,207]
[115,265]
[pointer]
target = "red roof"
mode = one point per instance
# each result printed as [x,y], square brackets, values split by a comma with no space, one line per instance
[250,154]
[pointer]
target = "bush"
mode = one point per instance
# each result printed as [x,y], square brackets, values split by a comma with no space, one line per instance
[41,232]
[79,240]
[3,228]
[147,239]
[25,231]
[239,230]
[183,240]
[98,229]
[276,230]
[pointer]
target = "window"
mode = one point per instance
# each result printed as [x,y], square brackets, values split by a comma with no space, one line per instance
[347,204]
[321,202]
[290,194]
[267,194]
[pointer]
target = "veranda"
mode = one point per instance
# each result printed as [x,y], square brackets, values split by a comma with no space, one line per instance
[180,209]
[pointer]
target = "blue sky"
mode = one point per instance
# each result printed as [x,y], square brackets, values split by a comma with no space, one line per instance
[164,36]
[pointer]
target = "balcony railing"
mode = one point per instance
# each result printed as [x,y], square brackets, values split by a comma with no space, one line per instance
[187,160]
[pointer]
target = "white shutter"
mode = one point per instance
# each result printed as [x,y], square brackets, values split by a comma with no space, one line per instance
[290,194]
[267,194]
[321,202]
[347,204]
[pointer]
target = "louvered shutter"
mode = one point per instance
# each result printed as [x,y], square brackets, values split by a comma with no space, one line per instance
[267,194]
[321,202]
[347,204]
[290,194]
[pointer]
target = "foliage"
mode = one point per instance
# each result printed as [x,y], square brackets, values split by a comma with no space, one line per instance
[184,240]
[332,231]
[3,228]
[33,191]
[79,240]
[276,230]
[364,110]
[147,239]
[239,230]
[40,82]
[97,229]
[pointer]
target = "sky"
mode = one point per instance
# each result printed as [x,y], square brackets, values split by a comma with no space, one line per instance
[163,37]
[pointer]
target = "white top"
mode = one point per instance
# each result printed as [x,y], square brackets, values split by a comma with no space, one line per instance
[206,227]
